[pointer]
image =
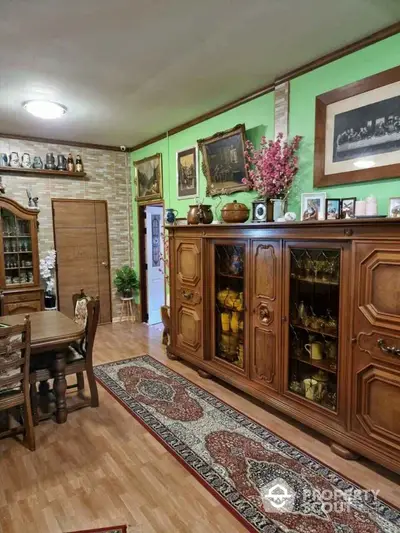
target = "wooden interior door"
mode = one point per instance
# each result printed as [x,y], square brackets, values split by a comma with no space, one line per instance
[81,241]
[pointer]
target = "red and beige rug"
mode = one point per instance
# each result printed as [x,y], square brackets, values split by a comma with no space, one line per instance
[268,484]
[114,529]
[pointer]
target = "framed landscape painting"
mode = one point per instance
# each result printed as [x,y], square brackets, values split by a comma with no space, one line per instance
[357,131]
[148,178]
[186,170]
[223,161]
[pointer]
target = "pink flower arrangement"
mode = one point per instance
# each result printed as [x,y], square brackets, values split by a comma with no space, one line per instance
[271,169]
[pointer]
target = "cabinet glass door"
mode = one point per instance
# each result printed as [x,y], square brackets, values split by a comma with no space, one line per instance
[313,324]
[17,249]
[229,303]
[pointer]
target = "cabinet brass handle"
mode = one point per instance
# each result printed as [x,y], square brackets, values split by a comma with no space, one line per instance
[392,350]
[348,232]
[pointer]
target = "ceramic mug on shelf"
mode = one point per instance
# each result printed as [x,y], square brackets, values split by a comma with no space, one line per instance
[170,215]
[310,388]
[315,349]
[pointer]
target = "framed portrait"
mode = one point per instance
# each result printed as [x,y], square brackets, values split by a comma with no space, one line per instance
[313,206]
[148,178]
[223,161]
[394,207]
[332,208]
[357,131]
[186,173]
[348,208]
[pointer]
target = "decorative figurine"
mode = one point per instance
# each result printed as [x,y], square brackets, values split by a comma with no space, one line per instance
[14,160]
[2,188]
[3,160]
[26,160]
[70,163]
[79,164]
[32,201]
[37,162]
[50,162]
[61,162]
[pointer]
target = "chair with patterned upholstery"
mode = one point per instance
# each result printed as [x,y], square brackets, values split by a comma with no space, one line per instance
[15,350]
[79,356]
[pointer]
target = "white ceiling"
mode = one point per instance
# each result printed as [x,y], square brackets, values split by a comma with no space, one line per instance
[129,69]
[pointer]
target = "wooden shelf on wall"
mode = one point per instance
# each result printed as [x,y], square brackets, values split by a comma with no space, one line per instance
[42,171]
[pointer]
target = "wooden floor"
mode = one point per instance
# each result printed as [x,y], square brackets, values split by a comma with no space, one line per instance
[103,468]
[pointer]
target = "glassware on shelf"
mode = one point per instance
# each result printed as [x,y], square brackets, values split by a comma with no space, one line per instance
[330,322]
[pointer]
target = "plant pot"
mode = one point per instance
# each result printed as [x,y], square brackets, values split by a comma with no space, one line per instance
[49,301]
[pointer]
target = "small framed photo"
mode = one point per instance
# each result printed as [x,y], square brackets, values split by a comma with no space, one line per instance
[313,206]
[332,208]
[187,172]
[348,209]
[394,207]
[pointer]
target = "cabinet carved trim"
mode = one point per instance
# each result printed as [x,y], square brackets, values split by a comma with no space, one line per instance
[371,412]
[189,296]
[265,315]
[379,289]
[188,263]
[263,367]
[265,272]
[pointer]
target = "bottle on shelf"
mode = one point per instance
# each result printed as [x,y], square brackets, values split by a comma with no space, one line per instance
[70,163]
[79,164]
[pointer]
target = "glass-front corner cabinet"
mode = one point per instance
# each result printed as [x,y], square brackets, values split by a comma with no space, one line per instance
[229,304]
[314,299]
[19,260]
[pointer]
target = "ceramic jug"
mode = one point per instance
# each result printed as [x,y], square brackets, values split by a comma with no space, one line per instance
[50,162]
[61,162]
[170,215]
[315,349]
[310,388]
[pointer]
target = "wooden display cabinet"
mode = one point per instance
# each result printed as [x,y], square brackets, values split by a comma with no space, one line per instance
[19,261]
[304,316]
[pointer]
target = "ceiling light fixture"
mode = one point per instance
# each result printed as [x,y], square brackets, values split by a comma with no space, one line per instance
[44,109]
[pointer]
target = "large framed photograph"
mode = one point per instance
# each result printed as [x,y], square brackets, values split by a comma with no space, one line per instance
[223,161]
[148,178]
[357,131]
[313,206]
[186,173]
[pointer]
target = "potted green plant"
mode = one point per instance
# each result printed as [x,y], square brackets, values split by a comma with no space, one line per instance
[126,281]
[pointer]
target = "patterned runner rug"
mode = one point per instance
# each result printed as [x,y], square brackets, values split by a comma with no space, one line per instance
[268,484]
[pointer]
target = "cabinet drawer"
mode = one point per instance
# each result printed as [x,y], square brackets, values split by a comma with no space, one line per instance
[22,297]
[380,346]
[18,308]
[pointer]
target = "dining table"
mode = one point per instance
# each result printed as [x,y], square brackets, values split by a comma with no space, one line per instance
[51,331]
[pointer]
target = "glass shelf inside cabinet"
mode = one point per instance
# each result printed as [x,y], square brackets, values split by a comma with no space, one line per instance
[313,327]
[229,305]
[17,249]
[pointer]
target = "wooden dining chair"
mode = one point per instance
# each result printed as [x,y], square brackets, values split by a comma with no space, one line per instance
[79,356]
[15,350]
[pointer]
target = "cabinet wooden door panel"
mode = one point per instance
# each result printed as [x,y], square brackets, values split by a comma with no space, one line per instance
[187,302]
[264,361]
[375,410]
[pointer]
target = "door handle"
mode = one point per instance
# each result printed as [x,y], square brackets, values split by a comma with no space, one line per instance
[104,264]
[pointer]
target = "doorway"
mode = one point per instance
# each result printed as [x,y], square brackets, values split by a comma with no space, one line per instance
[81,242]
[151,250]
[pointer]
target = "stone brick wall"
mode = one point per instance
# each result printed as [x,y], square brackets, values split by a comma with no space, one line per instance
[107,178]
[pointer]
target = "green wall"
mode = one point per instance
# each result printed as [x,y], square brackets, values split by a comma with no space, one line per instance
[258,117]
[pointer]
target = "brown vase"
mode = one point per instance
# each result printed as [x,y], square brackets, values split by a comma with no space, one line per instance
[234,212]
[200,214]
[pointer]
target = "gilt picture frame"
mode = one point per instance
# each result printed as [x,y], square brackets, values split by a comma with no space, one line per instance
[148,179]
[224,162]
[187,181]
[357,131]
